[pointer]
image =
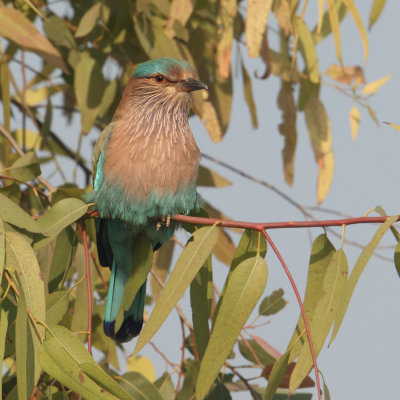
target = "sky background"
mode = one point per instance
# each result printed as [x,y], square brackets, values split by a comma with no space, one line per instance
[362,362]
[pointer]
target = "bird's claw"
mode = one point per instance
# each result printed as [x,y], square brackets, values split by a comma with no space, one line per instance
[164,221]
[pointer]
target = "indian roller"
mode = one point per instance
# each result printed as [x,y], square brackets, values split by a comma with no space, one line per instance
[145,167]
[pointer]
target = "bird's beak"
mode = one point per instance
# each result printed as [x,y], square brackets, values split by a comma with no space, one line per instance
[190,85]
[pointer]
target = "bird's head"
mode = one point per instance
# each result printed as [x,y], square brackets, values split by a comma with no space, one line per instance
[167,75]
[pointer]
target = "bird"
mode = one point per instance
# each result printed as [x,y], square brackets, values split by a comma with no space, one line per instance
[145,167]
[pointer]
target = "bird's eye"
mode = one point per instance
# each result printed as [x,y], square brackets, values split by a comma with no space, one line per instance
[159,78]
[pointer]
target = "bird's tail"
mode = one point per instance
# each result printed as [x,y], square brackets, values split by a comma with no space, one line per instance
[133,317]
[115,242]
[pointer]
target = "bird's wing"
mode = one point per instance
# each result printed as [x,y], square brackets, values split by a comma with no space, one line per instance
[98,155]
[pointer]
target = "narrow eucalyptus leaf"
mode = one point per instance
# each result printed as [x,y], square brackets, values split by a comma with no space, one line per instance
[359,266]
[15,215]
[243,290]
[277,373]
[199,247]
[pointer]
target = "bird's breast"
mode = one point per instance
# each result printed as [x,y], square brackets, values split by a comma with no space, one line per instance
[160,162]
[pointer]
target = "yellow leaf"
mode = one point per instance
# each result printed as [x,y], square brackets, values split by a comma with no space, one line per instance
[334,22]
[248,95]
[346,75]
[180,11]
[397,127]
[142,365]
[88,21]
[256,24]
[282,14]
[376,10]
[319,130]
[287,128]
[37,96]
[228,10]
[375,85]
[326,165]
[354,117]
[360,26]
[307,48]
[320,15]
[209,116]
[16,27]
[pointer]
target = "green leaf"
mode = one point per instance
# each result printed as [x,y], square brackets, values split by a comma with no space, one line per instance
[201,295]
[79,321]
[16,27]
[308,51]
[62,214]
[397,258]
[272,304]
[327,395]
[324,314]
[319,130]
[63,255]
[190,261]
[225,248]
[57,31]
[321,253]
[89,86]
[326,29]
[208,177]
[248,96]
[357,271]
[15,215]
[102,379]
[139,387]
[188,387]
[244,288]
[21,257]
[141,264]
[56,306]
[287,128]
[88,20]
[251,244]
[263,356]
[25,168]
[60,356]
[219,392]
[24,357]
[277,373]
[334,22]
[165,386]
[6,102]
[3,335]
[161,264]
[376,10]
[2,250]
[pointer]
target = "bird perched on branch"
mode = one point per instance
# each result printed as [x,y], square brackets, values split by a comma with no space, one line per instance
[145,167]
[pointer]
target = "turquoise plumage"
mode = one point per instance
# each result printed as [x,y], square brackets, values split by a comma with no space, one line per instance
[145,167]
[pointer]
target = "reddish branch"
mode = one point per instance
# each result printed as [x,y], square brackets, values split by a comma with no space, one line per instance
[260,226]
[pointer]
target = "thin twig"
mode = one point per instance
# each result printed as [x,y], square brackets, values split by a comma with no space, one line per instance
[20,152]
[163,356]
[303,313]
[178,384]
[88,286]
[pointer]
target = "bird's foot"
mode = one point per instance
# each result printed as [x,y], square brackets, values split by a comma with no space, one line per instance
[164,221]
